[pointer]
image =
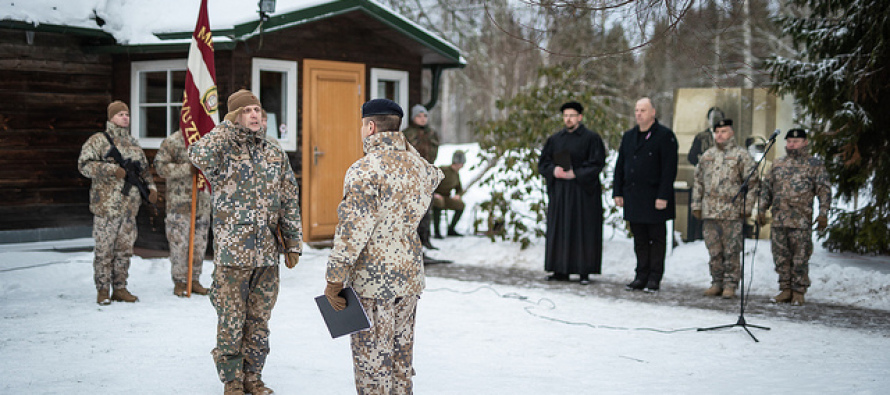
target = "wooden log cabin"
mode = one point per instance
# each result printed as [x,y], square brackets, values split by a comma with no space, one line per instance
[312,67]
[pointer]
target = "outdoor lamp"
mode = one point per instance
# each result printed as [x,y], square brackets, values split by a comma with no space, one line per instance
[266,7]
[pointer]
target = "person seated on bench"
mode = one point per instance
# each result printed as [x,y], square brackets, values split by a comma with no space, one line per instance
[444,200]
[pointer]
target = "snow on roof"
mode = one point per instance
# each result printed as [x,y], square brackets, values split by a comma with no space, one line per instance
[135,22]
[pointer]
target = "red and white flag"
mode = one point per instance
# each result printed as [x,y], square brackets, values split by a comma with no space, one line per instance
[199,100]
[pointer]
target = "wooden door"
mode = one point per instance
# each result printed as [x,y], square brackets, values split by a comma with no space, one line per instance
[333,93]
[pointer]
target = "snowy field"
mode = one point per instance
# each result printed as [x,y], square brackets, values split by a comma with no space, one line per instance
[471,338]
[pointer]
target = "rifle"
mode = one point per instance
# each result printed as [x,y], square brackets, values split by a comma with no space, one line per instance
[134,173]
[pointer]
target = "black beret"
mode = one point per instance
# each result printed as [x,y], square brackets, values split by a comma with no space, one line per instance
[381,107]
[723,122]
[800,133]
[572,105]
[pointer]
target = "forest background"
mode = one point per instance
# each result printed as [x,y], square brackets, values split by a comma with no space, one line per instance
[526,57]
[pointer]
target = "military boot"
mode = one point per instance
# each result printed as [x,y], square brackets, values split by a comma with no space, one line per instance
[122,295]
[728,293]
[715,290]
[234,388]
[254,386]
[437,223]
[199,289]
[782,297]
[797,298]
[102,297]
[180,289]
[454,219]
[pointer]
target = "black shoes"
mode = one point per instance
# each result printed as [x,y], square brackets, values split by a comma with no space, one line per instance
[584,280]
[651,288]
[451,232]
[635,285]
[558,277]
[428,245]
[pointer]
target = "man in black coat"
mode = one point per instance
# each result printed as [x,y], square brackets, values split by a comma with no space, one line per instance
[644,186]
[570,162]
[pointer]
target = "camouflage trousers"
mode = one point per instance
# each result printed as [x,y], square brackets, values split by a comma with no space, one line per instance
[243,299]
[114,237]
[792,248]
[383,355]
[178,228]
[724,241]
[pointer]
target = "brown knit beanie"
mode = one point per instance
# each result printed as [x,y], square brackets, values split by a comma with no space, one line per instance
[239,100]
[116,107]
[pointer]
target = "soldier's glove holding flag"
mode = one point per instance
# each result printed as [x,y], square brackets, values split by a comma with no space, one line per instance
[120,172]
[153,196]
[696,214]
[332,293]
[291,259]
[821,223]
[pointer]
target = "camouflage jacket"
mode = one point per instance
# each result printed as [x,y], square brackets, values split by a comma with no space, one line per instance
[424,139]
[254,193]
[718,177]
[106,191]
[172,162]
[385,195]
[792,184]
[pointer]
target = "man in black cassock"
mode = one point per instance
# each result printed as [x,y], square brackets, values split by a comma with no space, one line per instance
[570,162]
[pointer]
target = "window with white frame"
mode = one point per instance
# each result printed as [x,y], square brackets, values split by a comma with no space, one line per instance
[156,99]
[274,82]
[392,85]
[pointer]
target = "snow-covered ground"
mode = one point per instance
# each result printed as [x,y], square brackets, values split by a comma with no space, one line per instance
[472,338]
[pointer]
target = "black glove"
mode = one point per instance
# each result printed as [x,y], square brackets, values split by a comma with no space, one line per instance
[332,292]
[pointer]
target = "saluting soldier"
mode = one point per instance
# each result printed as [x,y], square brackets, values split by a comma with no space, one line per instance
[790,188]
[255,197]
[377,250]
[114,213]
[718,177]
[172,163]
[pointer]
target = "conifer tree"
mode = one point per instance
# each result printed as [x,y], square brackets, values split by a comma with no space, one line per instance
[841,79]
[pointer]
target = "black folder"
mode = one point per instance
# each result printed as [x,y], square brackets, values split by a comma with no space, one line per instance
[563,159]
[347,321]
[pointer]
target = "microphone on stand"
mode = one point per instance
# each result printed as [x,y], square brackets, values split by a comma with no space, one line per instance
[774,135]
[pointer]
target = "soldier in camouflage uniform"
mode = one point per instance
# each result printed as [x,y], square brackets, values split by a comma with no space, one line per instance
[172,163]
[255,196]
[444,200]
[377,250]
[792,184]
[114,214]
[426,141]
[718,178]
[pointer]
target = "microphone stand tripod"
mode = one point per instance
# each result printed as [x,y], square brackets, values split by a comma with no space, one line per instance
[743,192]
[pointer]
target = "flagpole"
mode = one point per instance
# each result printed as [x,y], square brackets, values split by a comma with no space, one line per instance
[188,282]
[198,116]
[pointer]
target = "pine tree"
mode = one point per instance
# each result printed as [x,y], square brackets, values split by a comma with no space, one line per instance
[842,80]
